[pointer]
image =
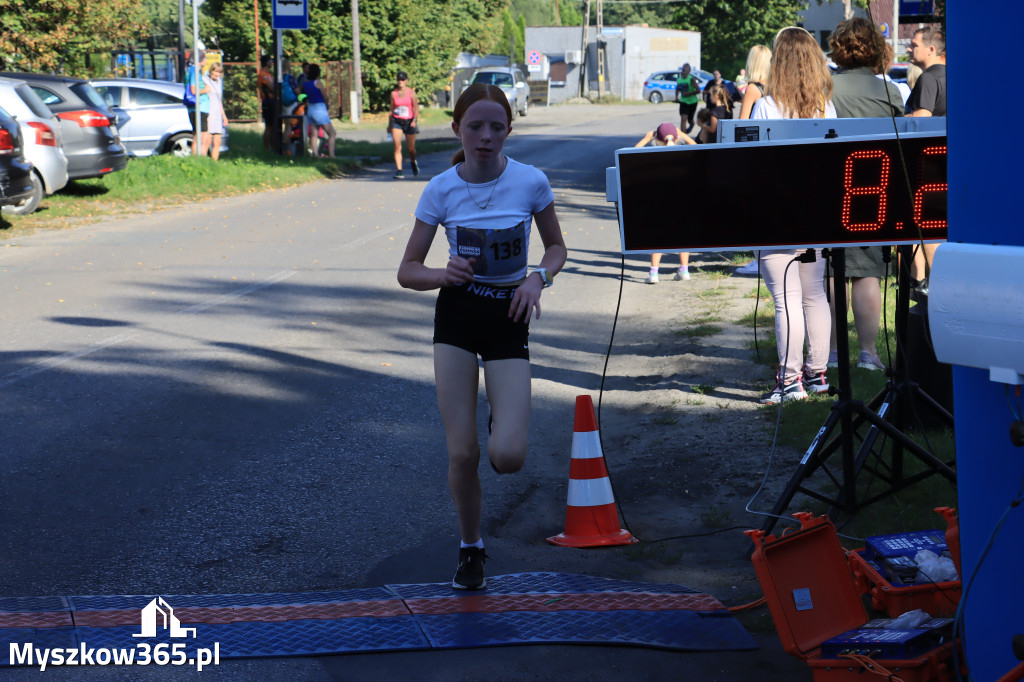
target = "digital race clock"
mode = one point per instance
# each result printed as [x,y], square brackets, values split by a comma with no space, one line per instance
[782,194]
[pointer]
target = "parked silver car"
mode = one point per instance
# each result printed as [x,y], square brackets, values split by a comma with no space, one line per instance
[88,126]
[511,81]
[158,120]
[41,137]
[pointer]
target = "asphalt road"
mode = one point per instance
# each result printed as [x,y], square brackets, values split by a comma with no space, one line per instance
[237,396]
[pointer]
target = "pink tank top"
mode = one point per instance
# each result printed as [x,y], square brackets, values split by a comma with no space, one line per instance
[402,105]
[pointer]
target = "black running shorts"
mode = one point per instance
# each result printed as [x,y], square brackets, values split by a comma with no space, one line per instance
[474,317]
[406,125]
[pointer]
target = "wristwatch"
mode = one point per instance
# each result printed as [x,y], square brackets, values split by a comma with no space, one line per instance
[548,280]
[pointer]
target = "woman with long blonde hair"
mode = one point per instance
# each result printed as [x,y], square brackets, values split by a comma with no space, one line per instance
[799,83]
[799,86]
[758,67]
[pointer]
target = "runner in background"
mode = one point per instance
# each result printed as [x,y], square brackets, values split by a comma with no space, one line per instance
[405,109]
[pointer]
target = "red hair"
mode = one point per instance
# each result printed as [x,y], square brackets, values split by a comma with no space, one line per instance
[470,96]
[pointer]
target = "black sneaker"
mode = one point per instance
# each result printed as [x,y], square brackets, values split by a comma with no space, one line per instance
[398,174]
[815,383]
[415,167]
[787,392]
[470,573]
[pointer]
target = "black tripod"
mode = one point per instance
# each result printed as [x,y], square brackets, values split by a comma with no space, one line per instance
[849,414]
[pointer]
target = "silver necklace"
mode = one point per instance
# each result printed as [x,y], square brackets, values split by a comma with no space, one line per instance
[494,187]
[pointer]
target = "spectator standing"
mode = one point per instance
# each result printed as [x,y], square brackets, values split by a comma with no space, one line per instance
[267,96]
[862,54]
[799,86]
[405,110]
[741,81]
[719,107]
[289,84]
[218,119]
[717,80]
[927,50]
[688,93]
[485,303]
[201,93]
[667,134]
[317,107]
[759,61]
[928,98]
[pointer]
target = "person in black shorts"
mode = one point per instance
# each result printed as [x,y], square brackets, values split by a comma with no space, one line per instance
[405,111]
[688,94]
[487,204]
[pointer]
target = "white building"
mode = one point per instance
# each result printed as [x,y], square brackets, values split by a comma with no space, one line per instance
[821,19]
[629,55]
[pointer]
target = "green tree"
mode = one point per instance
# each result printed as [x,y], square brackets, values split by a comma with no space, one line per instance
[570,12]
[729,28]
[162,17]
[520,55]
[60,35]
[536,12]
[506,43]
[406,35]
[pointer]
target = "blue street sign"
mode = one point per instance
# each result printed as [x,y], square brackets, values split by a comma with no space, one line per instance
[917,7]
[293,14]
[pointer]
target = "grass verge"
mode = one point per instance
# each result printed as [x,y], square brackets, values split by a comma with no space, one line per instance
[158,182]
[911,508]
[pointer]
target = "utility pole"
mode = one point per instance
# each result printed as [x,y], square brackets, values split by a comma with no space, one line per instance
[181,38]
[600,48]
[256,19]
[583,45]
[895,29]
[357,65]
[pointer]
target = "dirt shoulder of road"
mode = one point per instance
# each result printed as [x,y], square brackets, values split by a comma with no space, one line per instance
[685,441]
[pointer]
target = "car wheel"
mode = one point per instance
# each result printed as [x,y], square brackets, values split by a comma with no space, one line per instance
[526,105]
[180,145]
[32,202]
[655,97]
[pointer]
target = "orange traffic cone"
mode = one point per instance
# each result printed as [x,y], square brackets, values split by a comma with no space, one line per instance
[590,516]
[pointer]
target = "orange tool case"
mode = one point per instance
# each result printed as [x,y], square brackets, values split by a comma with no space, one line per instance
[812,598]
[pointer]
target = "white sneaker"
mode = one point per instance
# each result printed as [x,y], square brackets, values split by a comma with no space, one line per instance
[684,275]
[748,269]
[651,278]
[869,361]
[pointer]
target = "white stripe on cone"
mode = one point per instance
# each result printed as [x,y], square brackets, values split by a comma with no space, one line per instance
[592,492]
[586,445]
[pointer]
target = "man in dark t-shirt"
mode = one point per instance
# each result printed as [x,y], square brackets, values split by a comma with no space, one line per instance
[927,50]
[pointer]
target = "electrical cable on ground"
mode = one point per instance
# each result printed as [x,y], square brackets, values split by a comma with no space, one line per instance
[958,623]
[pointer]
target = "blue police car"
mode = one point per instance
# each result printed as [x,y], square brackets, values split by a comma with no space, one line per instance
[660,86]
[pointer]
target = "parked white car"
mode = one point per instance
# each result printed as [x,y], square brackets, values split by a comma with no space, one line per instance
[511,81]
[41,137]
[158,120]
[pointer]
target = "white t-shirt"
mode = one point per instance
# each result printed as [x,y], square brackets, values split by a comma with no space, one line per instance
[497,236]
[768,108]
[902,87]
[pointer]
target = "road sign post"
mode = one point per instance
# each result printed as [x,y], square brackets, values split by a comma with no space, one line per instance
[291,14]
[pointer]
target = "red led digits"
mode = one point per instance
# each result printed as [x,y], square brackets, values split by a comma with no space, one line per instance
[880,190]
[919,195]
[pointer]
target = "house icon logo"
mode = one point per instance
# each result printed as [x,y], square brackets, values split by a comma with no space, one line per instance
[166,617]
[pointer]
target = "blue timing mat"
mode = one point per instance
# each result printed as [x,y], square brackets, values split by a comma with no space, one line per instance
[520,608]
